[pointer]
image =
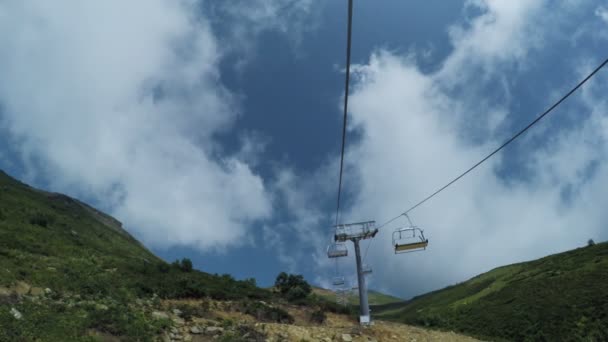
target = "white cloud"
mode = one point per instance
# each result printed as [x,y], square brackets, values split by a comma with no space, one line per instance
[121,100]
[602,12]
[416,136]
[411,145]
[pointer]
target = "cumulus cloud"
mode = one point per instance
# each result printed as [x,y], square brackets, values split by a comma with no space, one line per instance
[122,101]
[602,12]
[416,131]
[412,142]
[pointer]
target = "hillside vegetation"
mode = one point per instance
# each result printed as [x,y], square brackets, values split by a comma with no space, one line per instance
[374,297]
[69,272]
[83,272]
[559,297]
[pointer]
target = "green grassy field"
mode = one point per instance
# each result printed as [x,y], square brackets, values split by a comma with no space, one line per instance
[374,297]
[559,297]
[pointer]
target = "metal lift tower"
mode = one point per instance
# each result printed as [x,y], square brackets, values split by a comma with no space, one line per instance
[356,232]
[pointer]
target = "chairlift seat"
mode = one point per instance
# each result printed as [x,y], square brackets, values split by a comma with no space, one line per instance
[338,281]
[410,247]
[409,239]
[337,250]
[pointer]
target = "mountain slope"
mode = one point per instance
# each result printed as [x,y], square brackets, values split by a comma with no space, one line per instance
[69,272]
[374,297]
[71,260]
[560,296]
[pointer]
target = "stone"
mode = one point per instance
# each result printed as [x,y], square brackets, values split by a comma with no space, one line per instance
[177,312]
[166,338]
[326,339]
[5,292]
[178,321]
[174,330]
[214,330]
[347,338]
[195,330]
[22,288]
[160,315]
[16,313]
[52,269]
[36,291]
[101,307]
[48,291]
[187,338]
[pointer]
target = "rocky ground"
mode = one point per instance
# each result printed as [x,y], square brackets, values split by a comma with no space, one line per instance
[211,320]
[222,322]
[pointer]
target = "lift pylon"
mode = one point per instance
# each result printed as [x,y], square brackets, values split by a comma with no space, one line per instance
[356,232]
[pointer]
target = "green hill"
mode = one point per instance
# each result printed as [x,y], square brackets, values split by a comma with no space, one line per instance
[374,297]
[70,270]
[559,297]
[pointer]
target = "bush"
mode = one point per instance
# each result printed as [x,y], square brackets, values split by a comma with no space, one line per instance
[186,265]
[41,220]
[590,243]
[318,316]
[292,286]
[265,313]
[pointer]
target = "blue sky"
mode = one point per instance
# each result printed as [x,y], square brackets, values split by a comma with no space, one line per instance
[212,129]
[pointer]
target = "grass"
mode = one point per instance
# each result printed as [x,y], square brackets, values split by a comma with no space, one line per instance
[374,297]
[559,297]
[84,256]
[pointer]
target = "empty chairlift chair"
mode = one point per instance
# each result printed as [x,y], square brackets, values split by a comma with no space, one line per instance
[338,281]
[366,269]
[409,239]
[337,250]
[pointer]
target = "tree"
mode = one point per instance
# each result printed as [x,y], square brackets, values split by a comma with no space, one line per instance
[186,265]
[292,286]
[590,243]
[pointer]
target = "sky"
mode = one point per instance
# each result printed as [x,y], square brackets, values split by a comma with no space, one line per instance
[212,129]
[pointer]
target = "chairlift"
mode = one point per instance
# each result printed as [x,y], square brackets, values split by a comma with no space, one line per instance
[338,281]
[337,250]
[366,269]
[409,239]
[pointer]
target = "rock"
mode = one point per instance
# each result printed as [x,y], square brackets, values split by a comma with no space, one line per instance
[178,321]
[101,307]
[36,291]
[174,330]
[160,315]
[326,339]
[52,269]
[178,337]
[347,338]
[187,338]
[74,233]
[4,291]
[22,288]
[214,330]
[48,291]
[177,312]
[166,338]
[16,313]
[195,330]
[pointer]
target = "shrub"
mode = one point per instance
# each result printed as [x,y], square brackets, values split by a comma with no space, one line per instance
[41,220]
[186,265]
[318,316]
[292,286]
[265,313]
